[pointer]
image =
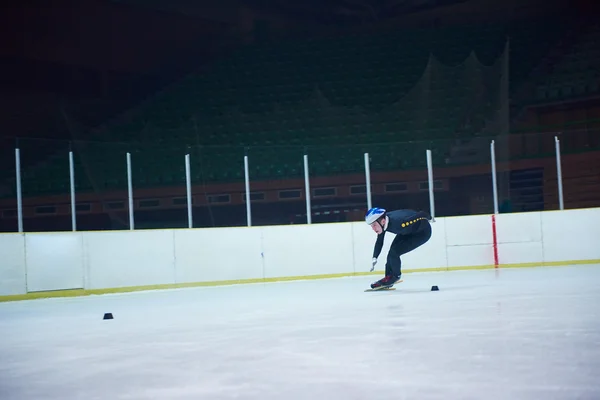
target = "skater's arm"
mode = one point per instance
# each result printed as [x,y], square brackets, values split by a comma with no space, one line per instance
[378,245]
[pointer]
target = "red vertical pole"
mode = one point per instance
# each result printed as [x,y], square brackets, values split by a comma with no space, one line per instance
[495,241]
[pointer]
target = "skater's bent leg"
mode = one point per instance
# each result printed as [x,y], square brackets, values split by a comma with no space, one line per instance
[404,244]
[393,265]
[415,240]
[388,270]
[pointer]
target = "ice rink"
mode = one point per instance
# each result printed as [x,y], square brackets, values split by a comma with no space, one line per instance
[489,334]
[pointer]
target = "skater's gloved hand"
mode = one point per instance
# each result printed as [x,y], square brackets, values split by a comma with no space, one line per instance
[373,261]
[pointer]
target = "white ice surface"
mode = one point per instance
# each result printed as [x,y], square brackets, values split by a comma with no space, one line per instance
[507,334]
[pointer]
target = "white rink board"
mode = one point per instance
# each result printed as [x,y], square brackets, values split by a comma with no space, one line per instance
[469,230]
[12,264]
[517,253]
[571,235]
[519,228]
[54,261]
[519,238]
[470,256]
[125,258]
[217,254]
[112,259]
[469,241]
[301,250]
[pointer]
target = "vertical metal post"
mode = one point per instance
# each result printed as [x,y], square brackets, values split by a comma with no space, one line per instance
[307,191]
[430,179]
[561,202]
[130,192]
[247,179]
[188,186]
[19,189]
[72,179]
[368,180]
[494,179]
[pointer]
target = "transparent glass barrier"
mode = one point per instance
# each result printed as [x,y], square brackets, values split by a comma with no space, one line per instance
[527,179]
[8,197]
[44,171]
[217,178]
[276,179]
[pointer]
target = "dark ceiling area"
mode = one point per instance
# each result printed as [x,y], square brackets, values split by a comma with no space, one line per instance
[100,46]
[114,53]
[344,11]
[313,11]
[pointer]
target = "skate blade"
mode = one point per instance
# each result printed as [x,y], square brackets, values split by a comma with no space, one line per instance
[383,288]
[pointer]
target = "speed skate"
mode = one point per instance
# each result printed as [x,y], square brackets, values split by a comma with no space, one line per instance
[383,288]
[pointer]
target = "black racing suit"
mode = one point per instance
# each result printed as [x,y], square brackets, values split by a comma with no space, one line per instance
[412,229]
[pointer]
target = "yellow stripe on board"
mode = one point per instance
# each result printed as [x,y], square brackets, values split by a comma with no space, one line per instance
[88,292]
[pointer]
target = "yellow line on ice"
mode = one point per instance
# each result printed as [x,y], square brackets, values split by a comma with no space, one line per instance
[88,292]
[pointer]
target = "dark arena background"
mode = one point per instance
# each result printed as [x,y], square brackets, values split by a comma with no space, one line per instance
[161,82]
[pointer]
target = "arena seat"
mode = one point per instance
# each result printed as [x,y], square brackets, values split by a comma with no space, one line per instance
[577,74]
[318,95]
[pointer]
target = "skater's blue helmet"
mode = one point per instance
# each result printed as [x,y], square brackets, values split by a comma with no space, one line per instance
[374,214]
